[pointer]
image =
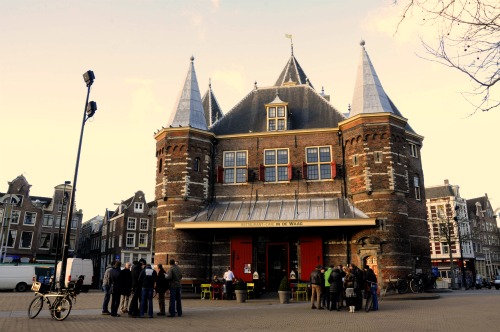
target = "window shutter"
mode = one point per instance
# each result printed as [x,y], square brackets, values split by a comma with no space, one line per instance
[262,173]
[334,170]
[290,172]
[220,174]
[304,170]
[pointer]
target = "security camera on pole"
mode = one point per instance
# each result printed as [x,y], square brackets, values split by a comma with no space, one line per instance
[89,111]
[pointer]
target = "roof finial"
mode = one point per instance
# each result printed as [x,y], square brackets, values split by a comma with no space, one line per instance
[192,58]
[362,43]
[322,90]
[255,85]
[349,108]
[210,83]
[291,40]
[277,93]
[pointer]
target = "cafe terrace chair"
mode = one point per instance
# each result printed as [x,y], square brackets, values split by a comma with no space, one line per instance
[302,291]
[205,290]
[216,291]
[250,289]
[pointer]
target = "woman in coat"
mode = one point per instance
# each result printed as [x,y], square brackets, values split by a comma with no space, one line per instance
[336,288]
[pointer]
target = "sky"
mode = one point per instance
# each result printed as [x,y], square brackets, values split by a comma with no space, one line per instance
[140,53]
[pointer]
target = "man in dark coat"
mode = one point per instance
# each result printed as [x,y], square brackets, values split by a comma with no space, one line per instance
[115,288]
[136,288]
[125,287]
[162,285]
[360,281]
[147,278]
[174,275]
[336,288]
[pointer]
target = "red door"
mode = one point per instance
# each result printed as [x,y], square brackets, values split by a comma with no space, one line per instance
[241,257]
[311,254]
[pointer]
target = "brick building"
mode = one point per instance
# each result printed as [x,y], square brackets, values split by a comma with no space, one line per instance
[284,182]
[33,226]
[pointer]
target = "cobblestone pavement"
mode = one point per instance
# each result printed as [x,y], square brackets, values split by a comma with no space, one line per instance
[477,310]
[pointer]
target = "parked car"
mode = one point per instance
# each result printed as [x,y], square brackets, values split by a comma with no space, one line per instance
[496,282]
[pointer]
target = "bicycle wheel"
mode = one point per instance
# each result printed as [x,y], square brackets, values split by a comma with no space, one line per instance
[35,307]
[414,287]
[61,308]
[369,303]
[402,286]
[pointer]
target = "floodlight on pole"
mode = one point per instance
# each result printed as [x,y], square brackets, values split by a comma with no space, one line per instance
[88,112]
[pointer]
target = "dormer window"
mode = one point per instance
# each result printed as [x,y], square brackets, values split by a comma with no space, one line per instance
[277,115]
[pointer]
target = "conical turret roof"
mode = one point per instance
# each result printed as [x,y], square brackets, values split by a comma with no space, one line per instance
[189,109]
[292,74]
[211,107]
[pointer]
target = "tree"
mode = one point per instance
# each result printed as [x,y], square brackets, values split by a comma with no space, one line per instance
[468,40]
[445,232]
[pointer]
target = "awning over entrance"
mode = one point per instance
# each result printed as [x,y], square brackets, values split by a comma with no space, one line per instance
[320,212]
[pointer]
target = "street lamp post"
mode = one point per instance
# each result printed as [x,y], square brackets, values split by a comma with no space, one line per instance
[457,220]
[88,112]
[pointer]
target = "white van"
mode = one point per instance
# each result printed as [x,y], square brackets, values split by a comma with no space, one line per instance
[75,268]
[19,278]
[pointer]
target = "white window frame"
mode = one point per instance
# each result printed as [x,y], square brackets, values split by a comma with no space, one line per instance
[21,240]
[129,221]
[416,184]
[413,150]
[323,167]
[48,220]
[130,236]
[138,207]
[14,237]
[143,240]
[235,169]
[33,218]
[279,120]
[276,167]
[141,224]
[14,217]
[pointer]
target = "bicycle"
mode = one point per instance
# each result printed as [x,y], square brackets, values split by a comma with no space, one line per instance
[416,282]
[61,305]
[396,284]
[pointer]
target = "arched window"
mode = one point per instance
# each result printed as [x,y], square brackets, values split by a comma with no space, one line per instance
[160,165]
[196,164]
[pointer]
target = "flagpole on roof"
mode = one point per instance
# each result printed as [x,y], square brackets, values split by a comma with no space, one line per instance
[289,36]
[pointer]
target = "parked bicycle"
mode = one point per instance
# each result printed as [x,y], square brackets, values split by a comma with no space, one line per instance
[395,284]
[59,303]
[420,282]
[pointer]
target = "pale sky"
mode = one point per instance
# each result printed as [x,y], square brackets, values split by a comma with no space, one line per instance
[140,50]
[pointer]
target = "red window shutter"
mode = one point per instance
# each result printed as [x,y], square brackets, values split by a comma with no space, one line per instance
[262,173]
[290,172]
[220,174]
[334,170]
[304,170]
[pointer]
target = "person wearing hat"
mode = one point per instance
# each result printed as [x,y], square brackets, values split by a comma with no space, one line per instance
[316,287]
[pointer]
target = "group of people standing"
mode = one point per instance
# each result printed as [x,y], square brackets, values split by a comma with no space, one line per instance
[330,287]
[140,281]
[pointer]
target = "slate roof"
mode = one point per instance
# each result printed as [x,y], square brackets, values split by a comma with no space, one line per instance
[292,72]
[280,210]
[439,192]
[189,110]
[369,95]
[307,110]
[211,107]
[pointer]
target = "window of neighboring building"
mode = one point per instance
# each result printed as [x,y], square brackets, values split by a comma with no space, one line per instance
[378,156]
[58,221]
[416,184]
[235,166]
[131,224]
[276,165]
[11,240]
[44,241]
[144,224]
[130,239]
[29,218]
[413,150]
[139,207]
[143,240]
[11,217]
[319,163]
[126,258]
[196,164]
[26,238]
[74,222]
[445,247]
[61,207]
[276,117]
[355,160]
[48,220]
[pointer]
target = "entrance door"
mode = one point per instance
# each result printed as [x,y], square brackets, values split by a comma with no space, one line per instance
[311,255]
[371,261]
[241,257]
[277,264]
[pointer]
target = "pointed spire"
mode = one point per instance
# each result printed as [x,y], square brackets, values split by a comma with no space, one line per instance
[189,110]
[211,108]
[292,73]
[369,96]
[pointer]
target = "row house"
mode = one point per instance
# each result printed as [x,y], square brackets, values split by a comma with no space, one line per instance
[33,227]
[89,246]
[450,237]
[486,244]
